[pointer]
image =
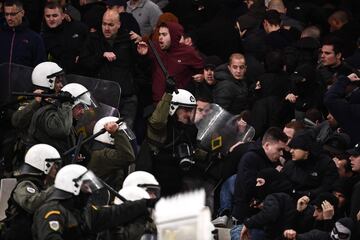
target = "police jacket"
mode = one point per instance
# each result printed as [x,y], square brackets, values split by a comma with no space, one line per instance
[167,138]
[60,219]
[121,70]
[64,42]
[110,162]
[311,176]
[21,45]
[28,195]
[53,125]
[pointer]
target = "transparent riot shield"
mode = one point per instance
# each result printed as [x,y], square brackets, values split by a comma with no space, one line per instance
[14,78]
[6,187]
[107,95]
[104,91]
[218,130]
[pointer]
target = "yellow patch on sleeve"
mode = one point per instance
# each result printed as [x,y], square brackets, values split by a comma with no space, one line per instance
[48,214]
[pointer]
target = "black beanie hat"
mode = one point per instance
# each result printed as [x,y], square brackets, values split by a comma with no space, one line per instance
[325,196]
[301,141]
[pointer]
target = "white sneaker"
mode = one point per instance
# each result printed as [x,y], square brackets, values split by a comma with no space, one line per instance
[221,221]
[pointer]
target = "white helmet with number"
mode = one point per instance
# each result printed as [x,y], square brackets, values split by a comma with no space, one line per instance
[69,178]
[42,157]
[99,125]
[44,74]
[132,193]
[79,92]
[181,99]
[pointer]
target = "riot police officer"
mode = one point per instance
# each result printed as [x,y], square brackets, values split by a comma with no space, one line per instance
[47,77]
[37,172]
[53,123]
[112,152]
[171,139]
[66,214]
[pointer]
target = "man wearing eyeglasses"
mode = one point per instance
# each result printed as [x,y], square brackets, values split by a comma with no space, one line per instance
[19,44]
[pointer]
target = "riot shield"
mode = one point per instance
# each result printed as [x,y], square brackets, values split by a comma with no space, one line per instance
[6,187]
[218,130]
[17,78]
[104,91]
[14,78]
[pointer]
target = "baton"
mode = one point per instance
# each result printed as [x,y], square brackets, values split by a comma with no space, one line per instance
[44,95]
[112,190]
[78,147]
[90,138]
[161,64]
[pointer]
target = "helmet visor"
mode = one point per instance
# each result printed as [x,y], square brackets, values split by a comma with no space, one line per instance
[90,182]
[153,190]
[86,100]
[57,81]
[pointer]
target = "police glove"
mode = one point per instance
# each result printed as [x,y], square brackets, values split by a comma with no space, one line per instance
[66,97]
[170,85]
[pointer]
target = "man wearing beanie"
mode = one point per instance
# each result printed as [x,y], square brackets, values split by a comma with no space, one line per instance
[318,214]
[310,171]
[277,208]
[355,195]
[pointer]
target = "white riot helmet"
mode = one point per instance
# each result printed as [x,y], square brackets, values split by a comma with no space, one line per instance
[42,157]
[45,73]
[99,125]
[73,177]
[144,180]
[181,99]
[132,193]
[106,137]
[80,94]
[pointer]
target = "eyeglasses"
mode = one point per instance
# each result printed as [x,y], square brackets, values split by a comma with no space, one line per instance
[12,14]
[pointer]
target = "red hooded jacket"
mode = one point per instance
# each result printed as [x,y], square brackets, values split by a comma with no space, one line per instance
[181,61]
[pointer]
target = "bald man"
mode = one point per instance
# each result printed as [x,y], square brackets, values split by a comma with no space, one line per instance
[111,55]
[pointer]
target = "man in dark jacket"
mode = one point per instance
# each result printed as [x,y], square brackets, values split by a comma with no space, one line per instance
[345,105]
[112,55]
[310,172]
[62,39]
[231,91]
[260,157]
[277,208]
[19,44]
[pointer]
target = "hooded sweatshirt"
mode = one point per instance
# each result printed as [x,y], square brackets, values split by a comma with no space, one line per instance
[180,61]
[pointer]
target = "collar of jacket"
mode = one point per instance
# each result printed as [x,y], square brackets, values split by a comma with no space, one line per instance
[23,26]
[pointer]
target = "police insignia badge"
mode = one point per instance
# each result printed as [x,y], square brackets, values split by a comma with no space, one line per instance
[30,190]
[54,225]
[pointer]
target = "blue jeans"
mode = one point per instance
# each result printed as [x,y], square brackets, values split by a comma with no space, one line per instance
[256,234]
[226,195]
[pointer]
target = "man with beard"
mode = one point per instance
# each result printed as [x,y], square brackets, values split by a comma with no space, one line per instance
[181,61]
